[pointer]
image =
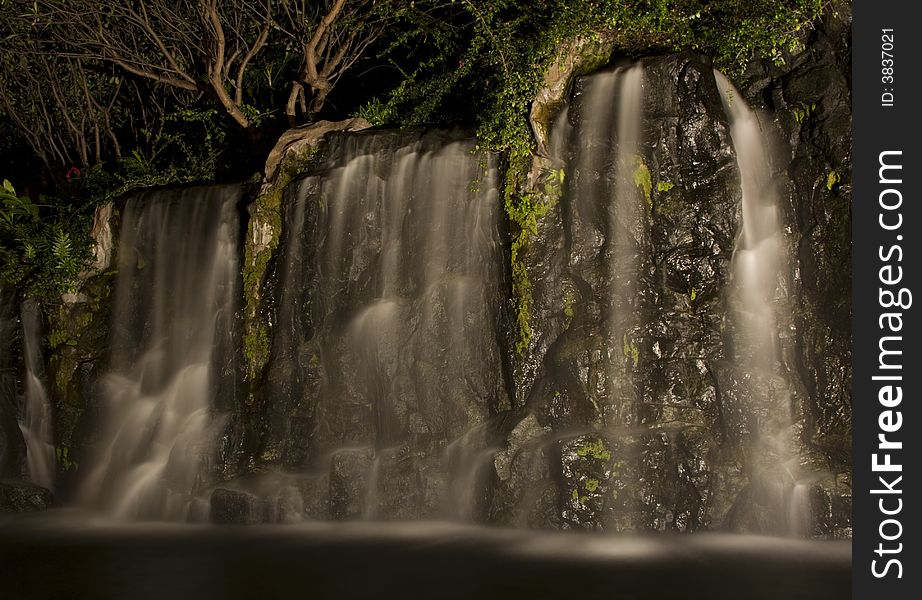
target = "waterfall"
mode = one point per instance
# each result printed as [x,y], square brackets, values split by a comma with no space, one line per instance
[603,179]
[387,341]
[170,354]
[758,251]
[624,220]
[758,258]
[36,423]
[601,156]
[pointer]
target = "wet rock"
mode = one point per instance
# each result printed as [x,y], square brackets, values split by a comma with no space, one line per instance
[659,369]
[526,436]
[588,470]
[234,507]
[268,497]
[349,483]
[16,497]
[666,395]
[78,338]
[12,446]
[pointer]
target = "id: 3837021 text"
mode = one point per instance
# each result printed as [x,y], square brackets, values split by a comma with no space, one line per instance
[886,67]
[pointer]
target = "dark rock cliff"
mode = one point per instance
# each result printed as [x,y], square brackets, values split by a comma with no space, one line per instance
[666,438]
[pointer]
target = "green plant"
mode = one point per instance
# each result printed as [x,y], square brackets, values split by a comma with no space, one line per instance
[630,350]
[594,448]
[64,461]
[642,178]
[802,111]
[43,247]
[375,112]
[569,300]
[186,150]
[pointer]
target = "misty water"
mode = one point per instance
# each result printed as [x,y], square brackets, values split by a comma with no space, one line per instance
[76,556]
[174,304]
[36,423]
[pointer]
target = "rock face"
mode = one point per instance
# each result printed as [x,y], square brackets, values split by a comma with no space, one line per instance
[628,305]
[810,98]
[23,497]
[639,415]
[78,341]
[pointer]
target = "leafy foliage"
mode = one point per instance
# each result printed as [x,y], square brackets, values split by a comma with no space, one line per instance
[149,93]
[186,149]
[42,249]
[502,50]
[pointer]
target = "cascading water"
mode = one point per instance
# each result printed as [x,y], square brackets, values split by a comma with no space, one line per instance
[758,258]
[600,157]
[387,339]
[171,353]
[36,424]
[606,157]
[624,238]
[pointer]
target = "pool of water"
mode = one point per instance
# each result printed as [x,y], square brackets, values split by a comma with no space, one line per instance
[73,555]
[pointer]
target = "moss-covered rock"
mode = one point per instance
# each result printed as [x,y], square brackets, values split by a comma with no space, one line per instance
[78,337]
[574,57]
[292,155]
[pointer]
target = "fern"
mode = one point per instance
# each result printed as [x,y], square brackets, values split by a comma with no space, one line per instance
[41,251]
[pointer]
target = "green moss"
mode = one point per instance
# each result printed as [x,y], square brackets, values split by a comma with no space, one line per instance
[592,485]
[803,111]
[256,348]
[693,295]
[568,301]
[265,226]
[58,336]
[64,373]
[524,210]
[596,449]
[64,461]
[560,175]
[664,186]
[630,350]
[256,336]
[642,178]
[832,179]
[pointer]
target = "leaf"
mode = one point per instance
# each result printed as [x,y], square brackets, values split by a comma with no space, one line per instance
[61,248]
[8,186]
